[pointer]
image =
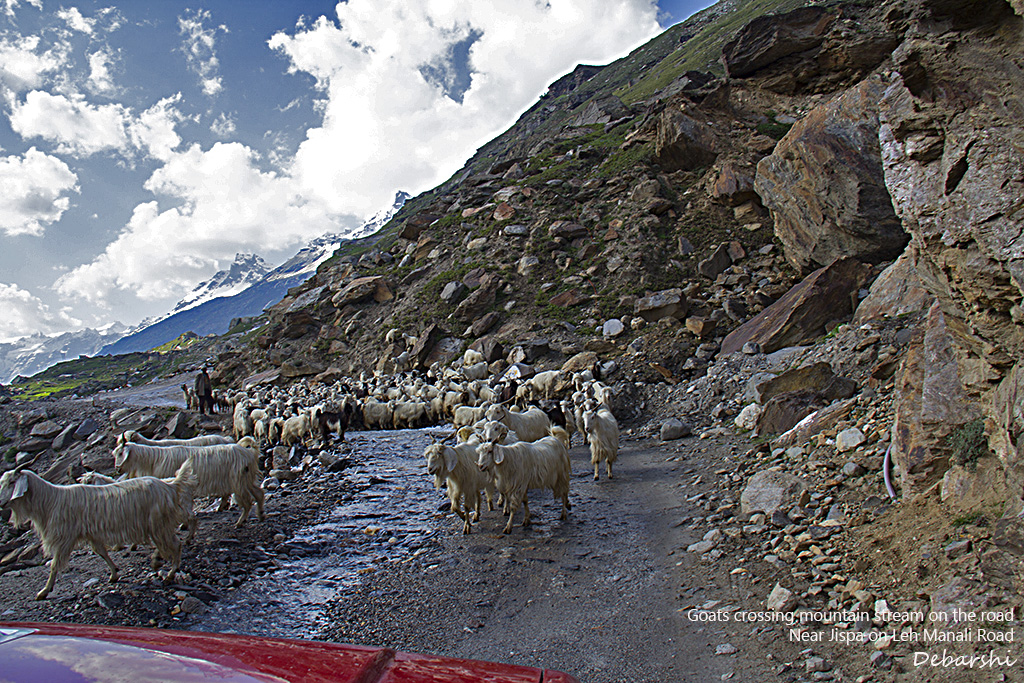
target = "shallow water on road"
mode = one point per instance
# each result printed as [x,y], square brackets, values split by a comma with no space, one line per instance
[391,517]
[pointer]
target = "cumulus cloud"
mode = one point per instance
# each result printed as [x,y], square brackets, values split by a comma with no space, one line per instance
[35,192]
[21,310]
[80,128]
[76,126]
[153,131]
[412,88]
[223,204]
[23,66]
[75,21]
[200,51]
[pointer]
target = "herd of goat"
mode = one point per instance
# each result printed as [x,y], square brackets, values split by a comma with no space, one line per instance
[510,437]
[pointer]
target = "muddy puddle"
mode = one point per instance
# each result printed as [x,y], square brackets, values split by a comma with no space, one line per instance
[389,516]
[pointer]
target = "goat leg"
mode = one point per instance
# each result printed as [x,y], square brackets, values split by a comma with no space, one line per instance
[100,550]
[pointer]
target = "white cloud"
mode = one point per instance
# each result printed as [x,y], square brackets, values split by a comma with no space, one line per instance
[75,21]
[22,67]
[80,128]
[223,126]
[21,310]
[100,80]
[200,51]
[76,126]
[35,192]
[385,125]
[154,129]
[223,205]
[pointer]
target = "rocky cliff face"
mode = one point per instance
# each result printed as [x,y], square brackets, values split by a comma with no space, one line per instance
[953,150]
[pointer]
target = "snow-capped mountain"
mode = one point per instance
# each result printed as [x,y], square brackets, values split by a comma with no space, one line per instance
[213,304]
[383,216]
[33,354]
[247,270]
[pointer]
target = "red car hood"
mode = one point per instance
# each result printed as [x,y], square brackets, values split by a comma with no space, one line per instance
[67,652]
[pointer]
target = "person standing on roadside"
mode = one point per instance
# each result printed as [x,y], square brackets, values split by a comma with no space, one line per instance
[204,391]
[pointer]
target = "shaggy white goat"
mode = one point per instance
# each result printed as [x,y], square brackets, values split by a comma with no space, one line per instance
[519,467]
[472,357]
[603,433]
[377,414]
[476,371]
[456,465]
[467,415]
[241,420]
[542,385]
[221,470]
[205,440]
[295,430]
[409,414]
[530,425]
[145,510]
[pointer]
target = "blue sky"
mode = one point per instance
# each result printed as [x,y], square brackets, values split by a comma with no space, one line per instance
[144,143]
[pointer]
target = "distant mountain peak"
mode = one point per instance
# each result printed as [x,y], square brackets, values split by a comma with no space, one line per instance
[378,220]
[245,270]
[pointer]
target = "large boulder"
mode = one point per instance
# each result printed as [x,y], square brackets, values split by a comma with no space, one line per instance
[362,289]
[817,378]
[896,291]
[476,304]
[767,39]
[784,411]
[425,344]
[768,491]
[664,304]
[800,315]
[825,188]
[734,184]
[602,110]
[416,224]
[683,143]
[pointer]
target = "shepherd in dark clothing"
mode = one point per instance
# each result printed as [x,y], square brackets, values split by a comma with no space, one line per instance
[204,391]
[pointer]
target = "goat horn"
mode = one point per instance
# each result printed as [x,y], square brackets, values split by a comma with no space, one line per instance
[26,465]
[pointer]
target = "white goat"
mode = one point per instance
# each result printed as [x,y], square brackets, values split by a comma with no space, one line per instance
[542,385]
[603,434]
[295,430]
[241,420]
[476,371]
[467,415]
[472,357]
[409,414]
[221,470]
[205,440]
[145,510]
[93,478]
[456,465]
[530,425]
[522,466]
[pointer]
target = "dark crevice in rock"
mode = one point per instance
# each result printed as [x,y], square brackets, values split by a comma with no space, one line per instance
[956,174]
